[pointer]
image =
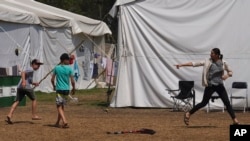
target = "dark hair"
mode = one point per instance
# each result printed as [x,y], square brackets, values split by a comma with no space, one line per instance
[36,61]
[217,52]
[64,56]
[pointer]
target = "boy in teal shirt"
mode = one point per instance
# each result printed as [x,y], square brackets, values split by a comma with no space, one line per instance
[63,74]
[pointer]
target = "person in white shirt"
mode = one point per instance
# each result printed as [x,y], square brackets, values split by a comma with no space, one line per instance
[25,88]
[212,78]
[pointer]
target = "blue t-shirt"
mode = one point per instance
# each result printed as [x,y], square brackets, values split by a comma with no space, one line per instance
[63,74]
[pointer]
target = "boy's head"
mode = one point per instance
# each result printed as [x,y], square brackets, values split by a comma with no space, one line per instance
[35,64]
[65,58]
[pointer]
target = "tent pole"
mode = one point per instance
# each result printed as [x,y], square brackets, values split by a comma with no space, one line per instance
[95,78]
[109,91]
[60,62]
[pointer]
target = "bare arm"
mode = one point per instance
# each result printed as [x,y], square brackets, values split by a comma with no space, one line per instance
[73,85]
[228,70]
[53,81]
[23,79]
[189,64]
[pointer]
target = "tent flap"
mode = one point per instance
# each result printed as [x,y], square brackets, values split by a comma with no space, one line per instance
[156,35]
[29,30]
[32,12]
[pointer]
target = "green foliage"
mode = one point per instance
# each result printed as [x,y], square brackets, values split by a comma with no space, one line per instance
[95,9]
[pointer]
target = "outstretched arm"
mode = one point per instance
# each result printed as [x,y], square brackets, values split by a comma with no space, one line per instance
[184,65]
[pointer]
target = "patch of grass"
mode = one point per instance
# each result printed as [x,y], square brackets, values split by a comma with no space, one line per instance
[45,97]
[92,91]
[99,103]
[96,97]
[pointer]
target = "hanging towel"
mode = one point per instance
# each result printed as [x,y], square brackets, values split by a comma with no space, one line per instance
[104,62]
[76,70]
[109,71]
[95,71]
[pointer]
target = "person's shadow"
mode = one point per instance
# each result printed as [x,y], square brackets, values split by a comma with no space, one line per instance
[52,125]
[21,122]
[202,126]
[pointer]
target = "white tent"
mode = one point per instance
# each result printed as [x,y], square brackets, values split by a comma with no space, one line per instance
[45,32]
[156,34]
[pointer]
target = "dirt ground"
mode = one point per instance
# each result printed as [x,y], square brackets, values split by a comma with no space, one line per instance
[89,121]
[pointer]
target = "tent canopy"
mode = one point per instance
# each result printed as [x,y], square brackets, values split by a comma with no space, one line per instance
[32,12]
[154,35]
[40,31]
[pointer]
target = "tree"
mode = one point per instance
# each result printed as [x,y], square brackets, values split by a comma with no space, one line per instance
[96,9]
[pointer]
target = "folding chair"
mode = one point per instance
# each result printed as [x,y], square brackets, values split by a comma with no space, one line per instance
[214,97]
[186,93]
[239,85]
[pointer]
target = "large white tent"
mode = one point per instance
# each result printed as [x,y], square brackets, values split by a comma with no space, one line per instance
[45,32]
[154,35]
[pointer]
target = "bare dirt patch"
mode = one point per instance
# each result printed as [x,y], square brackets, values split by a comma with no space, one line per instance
[89,121]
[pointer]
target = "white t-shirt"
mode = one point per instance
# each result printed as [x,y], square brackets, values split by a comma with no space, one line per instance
[28,79]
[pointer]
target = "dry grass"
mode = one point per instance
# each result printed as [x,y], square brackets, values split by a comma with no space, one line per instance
[89,121]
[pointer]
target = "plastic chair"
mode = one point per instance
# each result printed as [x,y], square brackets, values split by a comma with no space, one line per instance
[240,85]
[186,93]
[214,97]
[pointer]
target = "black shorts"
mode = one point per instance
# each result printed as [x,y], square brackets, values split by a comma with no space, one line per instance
[21,92]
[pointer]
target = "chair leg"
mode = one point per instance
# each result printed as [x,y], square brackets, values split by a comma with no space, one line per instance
[175,104]
[246,103]
[178,105]
[208,107]
[186,105]
[231,101]
[245,107]
[223,108]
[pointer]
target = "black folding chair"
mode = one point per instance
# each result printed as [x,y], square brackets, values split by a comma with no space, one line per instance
[186,93]
[239,85]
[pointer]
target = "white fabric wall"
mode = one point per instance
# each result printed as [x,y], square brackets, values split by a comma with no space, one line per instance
[45,44]
[54,43]
[155,35]
[45,32]
[13,37]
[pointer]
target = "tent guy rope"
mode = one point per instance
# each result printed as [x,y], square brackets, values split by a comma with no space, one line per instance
[59,63]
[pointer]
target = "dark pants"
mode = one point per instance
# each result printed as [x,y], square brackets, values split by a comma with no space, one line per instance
[21,92]
[220,89]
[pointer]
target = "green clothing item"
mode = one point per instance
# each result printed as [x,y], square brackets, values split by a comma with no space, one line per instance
[63,74]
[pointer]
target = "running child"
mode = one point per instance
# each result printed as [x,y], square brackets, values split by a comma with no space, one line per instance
[25,88]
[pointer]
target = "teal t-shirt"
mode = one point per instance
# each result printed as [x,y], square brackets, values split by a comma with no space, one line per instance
[63,74]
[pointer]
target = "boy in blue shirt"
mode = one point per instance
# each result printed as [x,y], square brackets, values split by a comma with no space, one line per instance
[63,74]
